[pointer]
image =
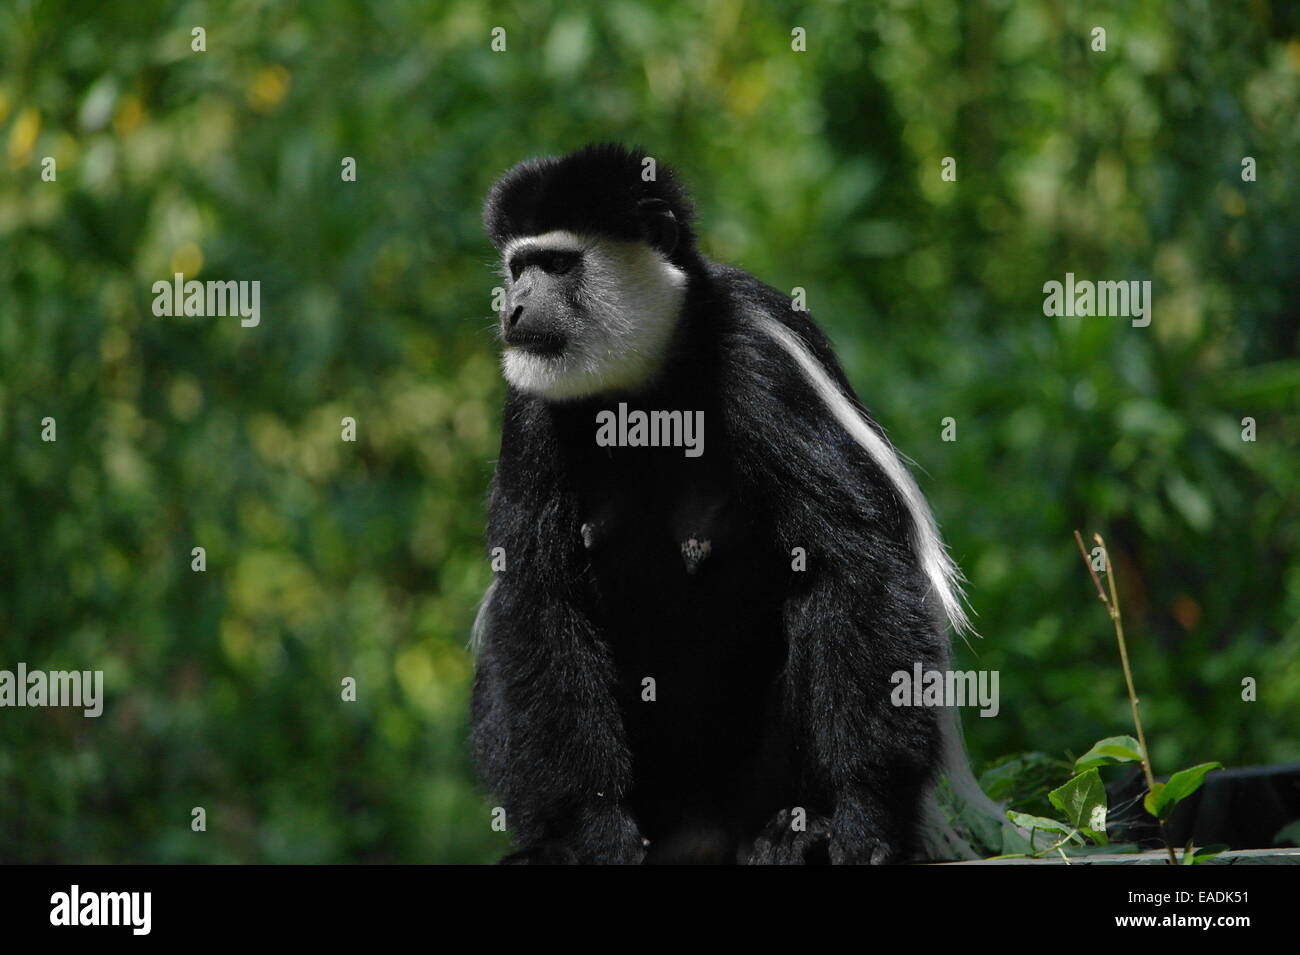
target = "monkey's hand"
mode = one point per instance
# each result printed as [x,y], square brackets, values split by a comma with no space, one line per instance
[607,838]
[861,837]
[793,838]
[548,853]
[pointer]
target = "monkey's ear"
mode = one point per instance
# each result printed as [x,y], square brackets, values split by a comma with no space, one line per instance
[659,223]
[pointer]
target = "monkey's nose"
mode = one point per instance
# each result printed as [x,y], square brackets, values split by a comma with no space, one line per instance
[513,320]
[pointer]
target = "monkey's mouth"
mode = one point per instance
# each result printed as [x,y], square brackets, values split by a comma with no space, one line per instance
[535,343]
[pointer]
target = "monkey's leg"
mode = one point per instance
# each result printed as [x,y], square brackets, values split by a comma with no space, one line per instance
[865,763]
[548,734]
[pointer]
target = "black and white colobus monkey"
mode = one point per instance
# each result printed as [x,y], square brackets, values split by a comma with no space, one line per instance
[687,657]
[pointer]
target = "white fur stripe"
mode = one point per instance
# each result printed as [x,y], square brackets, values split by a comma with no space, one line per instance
[480,620]
[944,577]
[558,240]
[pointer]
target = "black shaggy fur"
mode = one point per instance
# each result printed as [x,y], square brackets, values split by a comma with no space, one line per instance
[772,683]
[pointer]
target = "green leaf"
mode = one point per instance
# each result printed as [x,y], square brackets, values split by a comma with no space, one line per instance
[1112,749]
[1204,854]
[1083,800]
[1025,821]
[1290,833]
[1160,802]
[1150,801]
[1190,501]
[1042,824]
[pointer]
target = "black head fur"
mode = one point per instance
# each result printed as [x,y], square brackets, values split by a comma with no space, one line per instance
[597,190]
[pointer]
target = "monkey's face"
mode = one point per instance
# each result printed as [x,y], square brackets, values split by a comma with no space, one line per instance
[586,315]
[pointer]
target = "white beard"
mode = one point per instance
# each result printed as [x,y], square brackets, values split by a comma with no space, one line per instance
[632,296]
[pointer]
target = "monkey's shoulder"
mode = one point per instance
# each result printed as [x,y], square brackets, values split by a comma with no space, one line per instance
[757,368]
[790,412]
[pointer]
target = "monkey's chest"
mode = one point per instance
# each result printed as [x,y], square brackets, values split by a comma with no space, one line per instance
[695,535]
[689,602]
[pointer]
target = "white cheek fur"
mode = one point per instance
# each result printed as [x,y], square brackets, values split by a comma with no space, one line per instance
[632,297]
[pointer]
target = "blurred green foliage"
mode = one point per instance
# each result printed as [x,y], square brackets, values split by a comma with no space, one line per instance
[818,169]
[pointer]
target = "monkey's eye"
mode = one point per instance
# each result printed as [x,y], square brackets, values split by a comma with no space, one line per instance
[516,268]
[557,263]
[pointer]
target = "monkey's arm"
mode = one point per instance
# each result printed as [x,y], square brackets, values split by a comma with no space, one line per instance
[866,763]
[548,734]
[857,610]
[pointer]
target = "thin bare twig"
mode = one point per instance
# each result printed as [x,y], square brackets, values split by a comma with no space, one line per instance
[1112,607]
